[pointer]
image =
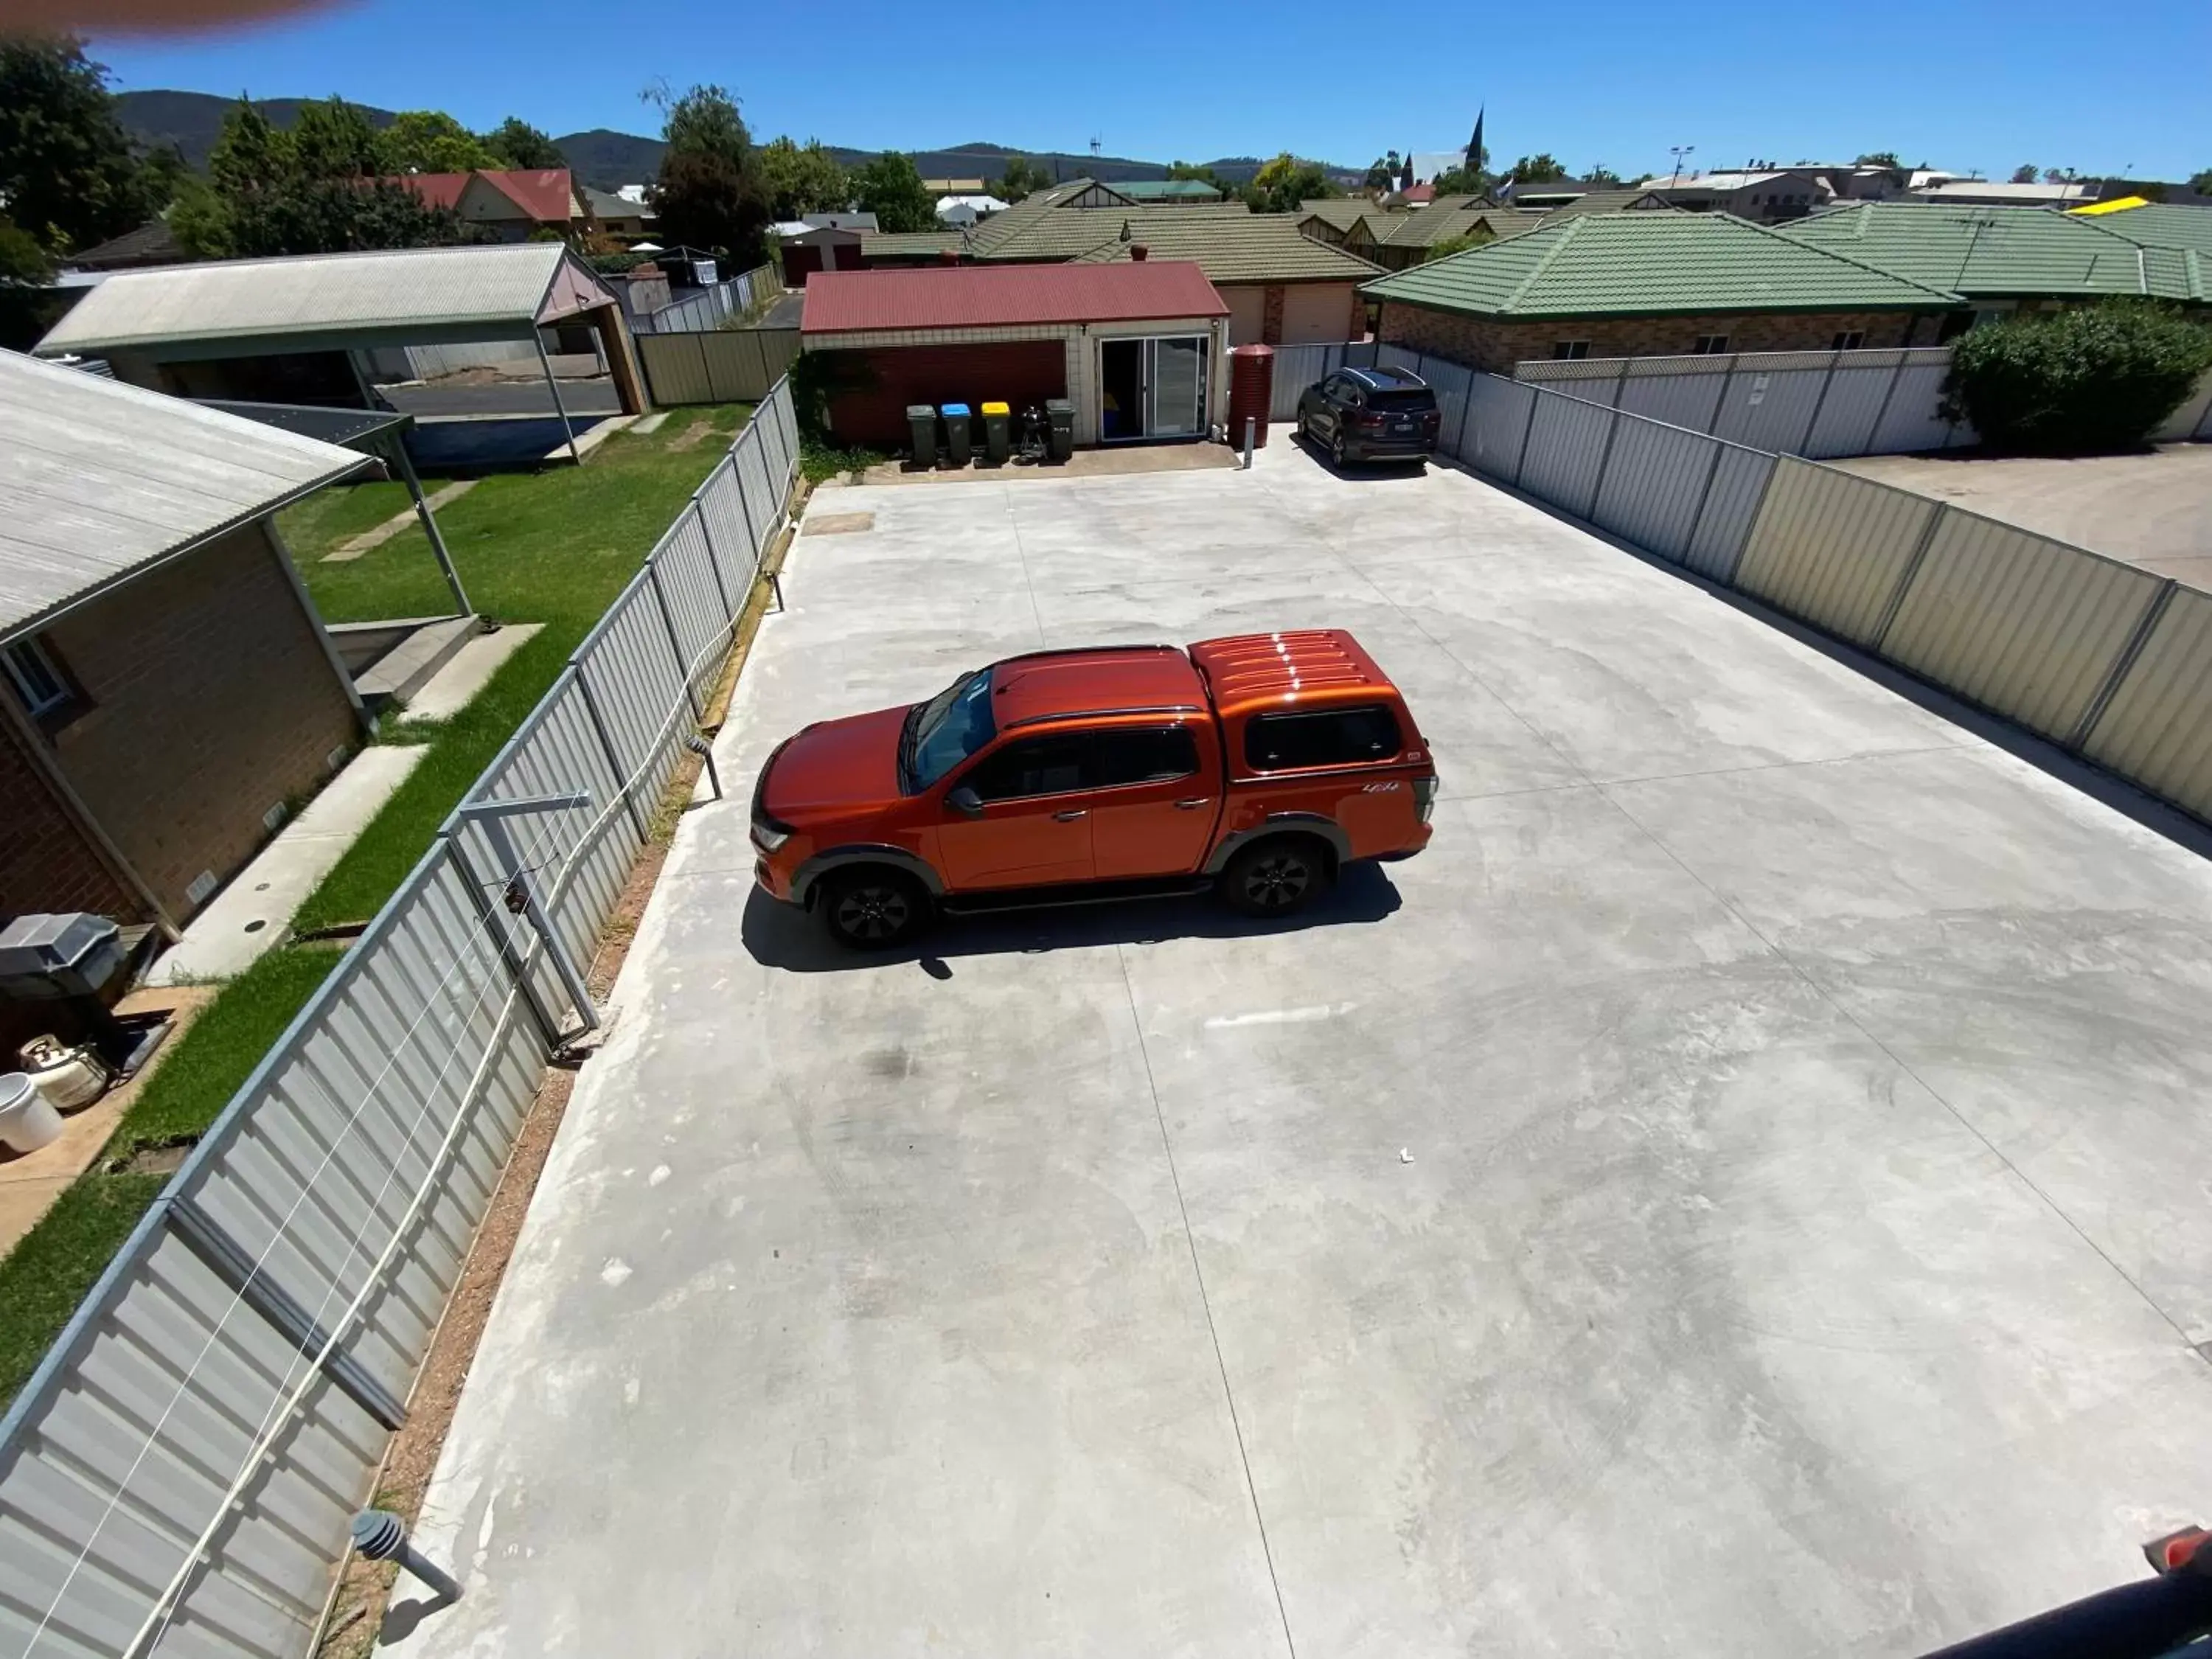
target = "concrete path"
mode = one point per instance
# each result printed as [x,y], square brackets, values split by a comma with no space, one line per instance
[2154,510]
[1740,1192]
[455,686]
[353,547]
[249,915]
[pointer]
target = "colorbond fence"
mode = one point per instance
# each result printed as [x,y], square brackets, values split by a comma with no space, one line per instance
[2111,662]
[178,1476]
[724,366]
[711,307]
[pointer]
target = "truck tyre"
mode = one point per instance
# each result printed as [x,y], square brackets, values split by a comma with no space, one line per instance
[1275,877]
[873,908]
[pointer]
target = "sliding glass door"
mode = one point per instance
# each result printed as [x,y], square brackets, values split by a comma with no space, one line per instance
[1153,388]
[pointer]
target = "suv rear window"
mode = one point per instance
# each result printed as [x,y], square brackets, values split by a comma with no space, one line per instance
[1404,400]
[1335,737]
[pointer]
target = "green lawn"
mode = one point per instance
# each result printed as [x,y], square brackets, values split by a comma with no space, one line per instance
[553,547]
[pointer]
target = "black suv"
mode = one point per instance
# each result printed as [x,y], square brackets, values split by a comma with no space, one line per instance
[1371,415]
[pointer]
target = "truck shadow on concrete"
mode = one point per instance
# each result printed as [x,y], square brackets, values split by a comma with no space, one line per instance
[778,936]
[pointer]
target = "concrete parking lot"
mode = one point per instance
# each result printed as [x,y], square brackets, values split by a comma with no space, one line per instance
[2153,509]
[1742,1192]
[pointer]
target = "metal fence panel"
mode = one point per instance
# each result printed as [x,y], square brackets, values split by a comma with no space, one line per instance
[2022,624]
[1852,403]
[1832,548]
[1565,450]
[691,588]
[1451,382]
[629,666]
[1913,420]
[2195,411]
[1684,392]
[1296,367]
[1731,505]
[1655,482]
[2157,729]
[724,510]
[1388,355]
[1770,408]
[1498,413]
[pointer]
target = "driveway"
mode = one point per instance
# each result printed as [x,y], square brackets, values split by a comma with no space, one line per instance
[2154,509]
[1742,1191]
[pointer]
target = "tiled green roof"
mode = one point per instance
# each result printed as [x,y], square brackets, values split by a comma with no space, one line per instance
[1979,252]
[876,244]
[1258,247]
[2176,243]
[1342,212]
[1062,232]
[1649,264]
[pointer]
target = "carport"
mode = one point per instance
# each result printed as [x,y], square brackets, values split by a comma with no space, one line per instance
[299,330]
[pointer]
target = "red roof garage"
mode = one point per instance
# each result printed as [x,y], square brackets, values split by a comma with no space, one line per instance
[1141,348]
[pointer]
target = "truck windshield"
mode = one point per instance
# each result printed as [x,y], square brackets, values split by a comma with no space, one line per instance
[947,729]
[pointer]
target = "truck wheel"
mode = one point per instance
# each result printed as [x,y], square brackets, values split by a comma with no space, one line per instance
[873,909]
[1275,877]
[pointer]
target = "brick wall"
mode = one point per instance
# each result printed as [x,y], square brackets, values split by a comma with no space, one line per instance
[873,410]
[210,700]
[1271,317]
[1483,342]
[47,860]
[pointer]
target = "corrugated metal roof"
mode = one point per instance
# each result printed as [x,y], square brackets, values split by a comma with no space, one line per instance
[1006,297]
[906,243]
[1258,247]
[1648,263]
[427,288]
[98,479]
[1992,251]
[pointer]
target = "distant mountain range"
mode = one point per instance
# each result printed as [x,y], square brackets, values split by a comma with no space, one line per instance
[193,120]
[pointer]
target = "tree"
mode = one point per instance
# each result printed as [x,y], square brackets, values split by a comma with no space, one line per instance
[801,182]
[430,141]
[332,139]
[1444,247]
[1878,158]
[1459,181]
[1286,182]
[710,192]
[1598,173]
[2202,182]
[70,176]
[1204,174]
[1529,169]
[891,187]
[2090,378]
[1380,172]
[2024,173]
[515,144]
[1022,178]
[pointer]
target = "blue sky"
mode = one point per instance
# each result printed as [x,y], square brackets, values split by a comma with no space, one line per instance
[1958,85]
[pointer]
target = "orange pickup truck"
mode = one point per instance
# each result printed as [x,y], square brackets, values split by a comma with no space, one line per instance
[1259,765]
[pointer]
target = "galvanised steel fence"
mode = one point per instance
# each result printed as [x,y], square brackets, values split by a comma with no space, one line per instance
[178,1476]
[709,307]
[2106,660]
[719,367]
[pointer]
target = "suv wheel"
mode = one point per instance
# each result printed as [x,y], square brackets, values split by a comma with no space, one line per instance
[1275,877]
[874,909]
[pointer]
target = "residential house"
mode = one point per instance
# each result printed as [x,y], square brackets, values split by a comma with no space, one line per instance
[1764,197]
[170,690]
[1643,284]
[509,204]
[1139,347]
[1282,288]
[151,244]
[1397,241]
[2003,259]
[607,213]
[821,241]
[1331,219]
[1167,192]
[1989,192]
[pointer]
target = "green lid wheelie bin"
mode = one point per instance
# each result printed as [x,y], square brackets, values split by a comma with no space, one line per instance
[956,432]
[1059,416]
[921,425]
[998,439]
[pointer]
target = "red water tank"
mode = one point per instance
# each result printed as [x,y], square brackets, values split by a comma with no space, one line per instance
[1251,385]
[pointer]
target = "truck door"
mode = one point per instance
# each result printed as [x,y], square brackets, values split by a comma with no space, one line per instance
[1158,795]
[1034,829]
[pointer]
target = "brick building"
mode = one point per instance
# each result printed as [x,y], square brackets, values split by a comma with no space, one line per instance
[170,694]
[1643,284]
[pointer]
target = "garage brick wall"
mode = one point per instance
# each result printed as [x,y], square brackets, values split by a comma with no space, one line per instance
[208,700]
[1486,343]
[1015,371]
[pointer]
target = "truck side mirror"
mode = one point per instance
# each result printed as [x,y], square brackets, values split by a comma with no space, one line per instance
[965,801]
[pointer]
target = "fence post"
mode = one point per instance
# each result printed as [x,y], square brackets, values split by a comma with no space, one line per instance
[1819,403]
[1751,525]
[489,913]
[1621,381]
[2123,663]
[1604,460]
[607,743]
[1521,457]
[675,644]
[1905,576]
[714,561]
[1873,432]
[1704,493]
[745,507]
[1720,405]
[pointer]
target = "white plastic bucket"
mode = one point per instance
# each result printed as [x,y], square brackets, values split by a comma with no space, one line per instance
[27,1118]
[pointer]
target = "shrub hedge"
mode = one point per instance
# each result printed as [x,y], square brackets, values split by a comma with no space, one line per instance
[2088,378]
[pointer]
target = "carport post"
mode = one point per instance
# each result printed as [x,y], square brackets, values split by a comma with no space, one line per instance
[553,386]
[430,525]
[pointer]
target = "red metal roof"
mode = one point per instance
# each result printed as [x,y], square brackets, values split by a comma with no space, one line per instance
[1002,296]
[541,193]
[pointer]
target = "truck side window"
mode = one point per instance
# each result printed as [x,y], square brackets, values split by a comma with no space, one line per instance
[1035,766]
[1140,757]
[1335,737]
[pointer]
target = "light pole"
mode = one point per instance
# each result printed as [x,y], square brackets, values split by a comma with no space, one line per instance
[1680,151]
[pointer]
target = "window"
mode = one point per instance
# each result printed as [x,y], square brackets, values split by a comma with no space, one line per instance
[1849,340]
[1711,345]
[1568,351]
[1404,400]
[1133,757]
[1035,766]
[1338,737]
[947,729]
[38,678]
